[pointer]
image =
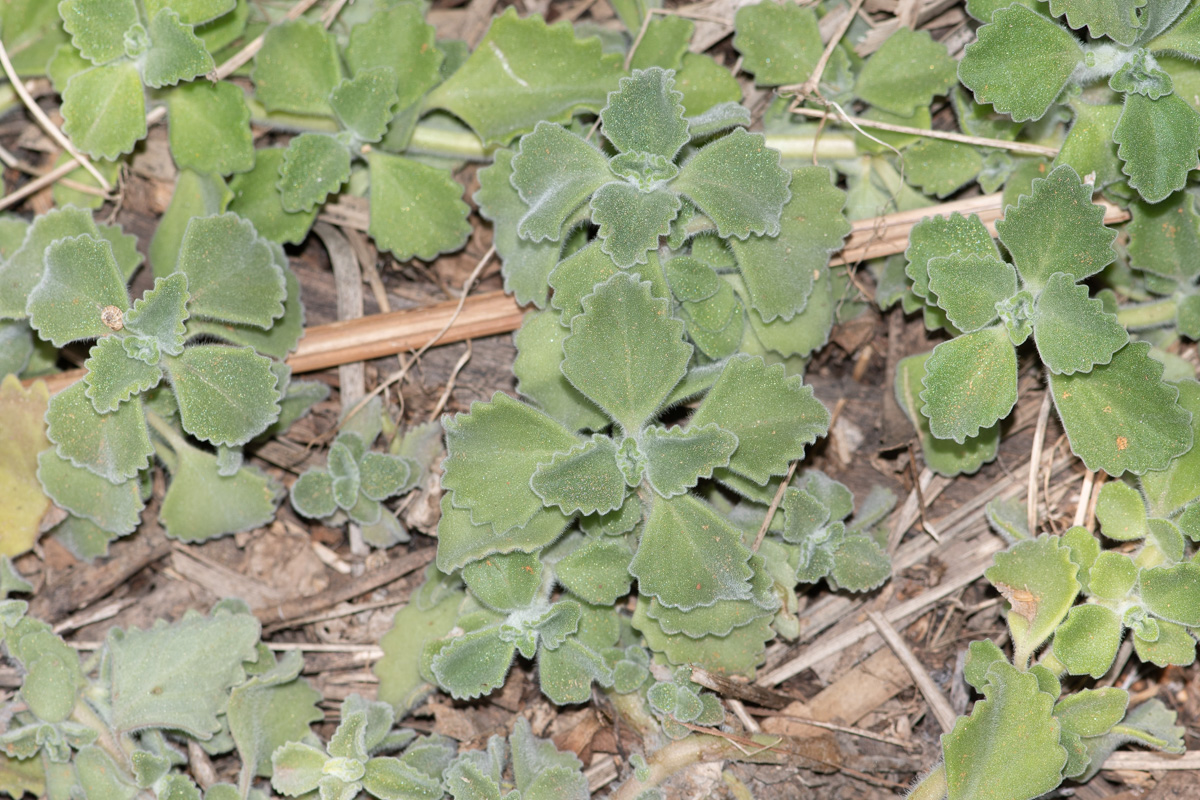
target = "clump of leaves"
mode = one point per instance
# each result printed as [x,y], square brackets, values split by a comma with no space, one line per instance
[678,703]
[230,284]
[1163,240]
[1023,61]
[1118,413]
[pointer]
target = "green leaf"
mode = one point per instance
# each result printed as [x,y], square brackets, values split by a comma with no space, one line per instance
[255,198]
[1164,238]
[1089,147]
[491,454]
[79,282]
[737,181]
[524,72]
[192,12]
[297,768]
[625,352]
[1142,76]
[188,690]
[416,210]
[460,541]
[664,43]
[645,115]
[473,664]
[780,271]
[115,508]
[1112,576]
[315,166]
[1172,489]
[1073,332]
[430,615]
[970,384]
[270,710]
[1116,19]
[940,168]
[943,456]
[1173,646]
[585,479]
[690,556]
[1037,577]
[935,237]
[97,27]
[905,73]
[780,43]
[23,267]
[969,287]
[527,264]
[507,582]
[364,105]
[296,69]
[739,652]
[859,565]
[1157,140]
[114,375]
[1020,62]
[231,272]
[723,616]
[176,53]
[632,221]
[980,657]
[283,335]
[188,512]
[1121,512]
[576,277]
[1170,592]
[1011,740]
[104,110]
[691,280]
[1087,641]
[1181,38]
[226,395]
[312,494]
[1054,226]
[159,315]
[539,355]
[383,475]
[1122,416]
[554,171]
[597,572]
[195,196]
[774,417]
[676,458]
[398,38]
[706,85]
[209,126]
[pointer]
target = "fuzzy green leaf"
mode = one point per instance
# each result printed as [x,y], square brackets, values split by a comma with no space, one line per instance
[1116,19]
[1057,228]
[296,69]
[492,453]
[195,195]
[554,171]
[739,652]
[576,277]
[1011,740]
[232,273]
[940,168]
[383,475]
[1164,238]
[780,271]
[539,354]
[1157,140]
[473,664]
[1087,641]
[969,286]
[970,384]
[188,512]
[430,614]
[226,395]
[1020,62]
[506,582]
[270,710]
[192,12]
[597,572]
[80,280]
[906,72]
[312,494]
[255,198]
[1037,577]
[690,556]
[314,166]
[625,352]
[210,128]
[677,458]
[1170,592]
[665,41]
[1139,75]
[691,280]
[585,479]
[283,335]
[460,541]
[114,375]
[943,456]
[527,264]
[935,237]
[1073,332]
[97,27]
[1173,646]
[104,110]
[1112,576]
[1169,490]
[1089,147]
[645,115]
[176,53]
[188,690]
[115,508]
[160,313]
[23,267]
[738,183]
[780,43]
[524,72]
[631,221]
[416,210]
[297,768]
[398,38]
[1121,512]
[364,104]
[774,417]
[859,565]
[1122,416]
[723,616]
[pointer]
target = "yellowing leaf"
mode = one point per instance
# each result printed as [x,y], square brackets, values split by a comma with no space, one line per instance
[22,437]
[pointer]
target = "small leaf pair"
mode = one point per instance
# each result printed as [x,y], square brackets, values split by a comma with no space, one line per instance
[678,703]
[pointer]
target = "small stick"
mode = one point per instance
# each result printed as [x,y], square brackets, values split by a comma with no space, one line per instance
[863,732]
[810,86]
[1035,462]
[1085,496]
[938,704]
[775,501]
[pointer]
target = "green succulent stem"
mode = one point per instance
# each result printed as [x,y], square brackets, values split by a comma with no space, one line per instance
[428,140]
[84,714]
[699,748]
[828,145]
[932,787]
[1148,315]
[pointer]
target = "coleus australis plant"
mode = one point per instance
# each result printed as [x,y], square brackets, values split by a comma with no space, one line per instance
[517,477]
[1024,61]
[714,191]
[1117,411]
[197,359]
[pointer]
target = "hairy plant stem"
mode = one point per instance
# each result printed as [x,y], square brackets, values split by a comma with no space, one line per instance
[169,435]
[634,713]
[1148,315]
[932,787]
[84,714]
[696,749]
